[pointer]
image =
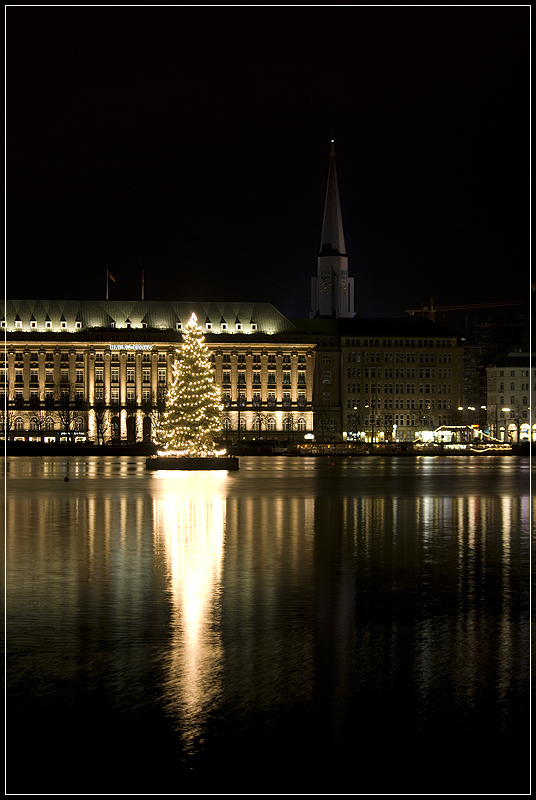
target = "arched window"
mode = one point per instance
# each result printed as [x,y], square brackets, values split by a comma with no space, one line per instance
[19,424]
[79,424]
[525,401]
[287,424]
[301,424]
[34,424]
[49,424]
[270,424]
[501,387]
[512,401]
[242,424]
[226,424]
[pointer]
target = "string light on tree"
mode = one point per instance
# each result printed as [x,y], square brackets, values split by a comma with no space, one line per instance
[193,401]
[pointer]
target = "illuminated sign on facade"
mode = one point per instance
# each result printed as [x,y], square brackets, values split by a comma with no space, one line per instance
[131,347]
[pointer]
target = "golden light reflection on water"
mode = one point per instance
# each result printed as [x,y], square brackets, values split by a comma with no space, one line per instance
[189,520]
[310,591]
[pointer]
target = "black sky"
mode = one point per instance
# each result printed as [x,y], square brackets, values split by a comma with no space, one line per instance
[193,143]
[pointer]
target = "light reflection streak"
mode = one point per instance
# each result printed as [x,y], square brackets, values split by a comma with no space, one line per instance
[189,520]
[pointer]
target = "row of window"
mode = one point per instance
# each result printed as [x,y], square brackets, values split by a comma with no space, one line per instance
[524,387]
[397,343]
[398,402]
[269,424]
[223,326]
[513,401]
[423,388]
[398,358]
[400,420]
[373,372]
[241,378]
[524,373]
[147,357]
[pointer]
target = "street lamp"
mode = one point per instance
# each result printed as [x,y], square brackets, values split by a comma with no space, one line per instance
[372,415]
[516,423]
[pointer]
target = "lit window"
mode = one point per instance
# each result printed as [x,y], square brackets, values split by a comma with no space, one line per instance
[18,323]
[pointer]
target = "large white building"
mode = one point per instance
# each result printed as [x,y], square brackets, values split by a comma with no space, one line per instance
[100,369]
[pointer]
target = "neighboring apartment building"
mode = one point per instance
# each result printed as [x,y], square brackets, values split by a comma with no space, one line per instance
[511,379]
[399,377]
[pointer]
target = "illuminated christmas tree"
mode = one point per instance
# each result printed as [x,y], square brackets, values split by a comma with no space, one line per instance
[193,402]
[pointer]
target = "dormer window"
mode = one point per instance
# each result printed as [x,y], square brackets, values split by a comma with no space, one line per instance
[238,326]
[78,324]
[223,326]
[112,324]
[179,326]
[253,326]
[128,324]
[208,326]
[63,324]
[18,323]
[33,323]
[48,324]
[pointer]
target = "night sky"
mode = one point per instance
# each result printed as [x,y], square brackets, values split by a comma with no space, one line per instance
[193,143]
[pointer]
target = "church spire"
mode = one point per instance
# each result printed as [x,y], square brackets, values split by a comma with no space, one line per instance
[332,242]
[332,291]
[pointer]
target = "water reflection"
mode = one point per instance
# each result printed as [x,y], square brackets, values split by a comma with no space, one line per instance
[189,527]
[273,607]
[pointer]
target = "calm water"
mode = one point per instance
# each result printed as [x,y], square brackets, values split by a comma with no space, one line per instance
[298,626]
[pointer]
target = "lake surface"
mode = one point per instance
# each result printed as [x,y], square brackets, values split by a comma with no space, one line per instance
[300,626]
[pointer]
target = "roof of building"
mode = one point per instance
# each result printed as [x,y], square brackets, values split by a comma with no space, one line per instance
[160,315]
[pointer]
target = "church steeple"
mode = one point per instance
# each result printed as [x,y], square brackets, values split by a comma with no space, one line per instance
[332,242]
[332,291]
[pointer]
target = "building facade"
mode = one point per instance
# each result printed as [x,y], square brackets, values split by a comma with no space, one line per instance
[509,381]
[399,377]
[99,371]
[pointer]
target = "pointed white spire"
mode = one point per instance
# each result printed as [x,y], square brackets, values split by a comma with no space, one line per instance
[332,291]
[332,242]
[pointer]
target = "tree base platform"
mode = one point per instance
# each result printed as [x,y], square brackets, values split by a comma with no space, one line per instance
[192,462]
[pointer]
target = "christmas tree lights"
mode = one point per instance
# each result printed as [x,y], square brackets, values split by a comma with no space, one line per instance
[193,401]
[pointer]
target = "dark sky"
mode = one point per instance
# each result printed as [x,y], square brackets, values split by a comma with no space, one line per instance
[193,143]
